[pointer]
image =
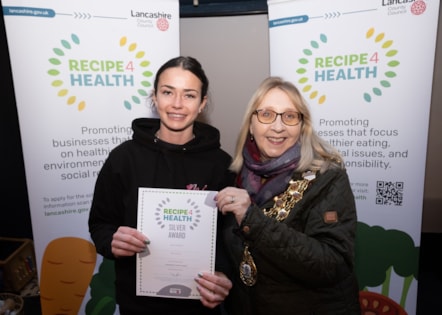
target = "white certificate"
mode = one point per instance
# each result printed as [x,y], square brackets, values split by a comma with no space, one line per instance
[181,227]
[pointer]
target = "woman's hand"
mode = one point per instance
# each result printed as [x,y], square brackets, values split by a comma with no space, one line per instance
[213,288]
[235,200]
[128,241]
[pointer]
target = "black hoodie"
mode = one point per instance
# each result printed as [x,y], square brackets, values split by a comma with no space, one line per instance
[146,161]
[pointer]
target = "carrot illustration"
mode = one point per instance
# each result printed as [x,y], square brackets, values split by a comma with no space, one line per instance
[66,271]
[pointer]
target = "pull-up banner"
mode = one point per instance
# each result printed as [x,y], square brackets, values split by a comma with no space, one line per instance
[82,71]
[366,68]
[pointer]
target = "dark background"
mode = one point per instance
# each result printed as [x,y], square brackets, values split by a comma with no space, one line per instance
[15,218]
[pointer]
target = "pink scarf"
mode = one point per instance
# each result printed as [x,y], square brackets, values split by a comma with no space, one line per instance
[264,180]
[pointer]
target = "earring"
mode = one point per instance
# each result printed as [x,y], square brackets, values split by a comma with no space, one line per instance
[251,138]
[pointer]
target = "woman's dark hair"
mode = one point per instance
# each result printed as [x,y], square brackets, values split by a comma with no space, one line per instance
[187,63]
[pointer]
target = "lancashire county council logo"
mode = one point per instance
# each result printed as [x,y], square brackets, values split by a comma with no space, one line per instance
[68,72]
[163,24]
[418,7]
[363,66]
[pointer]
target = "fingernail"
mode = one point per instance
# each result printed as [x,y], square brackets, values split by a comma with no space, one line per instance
[147,242]
[200,274]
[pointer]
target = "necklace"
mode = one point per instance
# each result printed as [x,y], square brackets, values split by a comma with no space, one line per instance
[247,268]
[284,203]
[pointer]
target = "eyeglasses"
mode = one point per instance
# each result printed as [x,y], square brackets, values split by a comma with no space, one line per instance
[268,116]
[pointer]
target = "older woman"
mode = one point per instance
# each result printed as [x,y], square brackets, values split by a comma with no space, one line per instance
[292,217]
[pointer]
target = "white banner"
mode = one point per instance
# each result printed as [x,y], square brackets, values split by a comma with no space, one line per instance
[82,71]
[366,68]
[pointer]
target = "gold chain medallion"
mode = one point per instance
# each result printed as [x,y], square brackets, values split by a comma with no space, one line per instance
[247,268]
[287,200]
[280,210]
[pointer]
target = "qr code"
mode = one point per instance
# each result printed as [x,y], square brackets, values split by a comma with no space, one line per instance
[389,193]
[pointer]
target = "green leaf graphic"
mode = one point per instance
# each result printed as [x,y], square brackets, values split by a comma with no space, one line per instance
[303,61]
[53,72]
[390,74]
[391,53]
[142,92]
[307,52]
[393,63]
[65,44]
[58,52]
[55,61]
[136,100]
[377,91]
[367,97]
[75,39]
[385,83]
[301,70]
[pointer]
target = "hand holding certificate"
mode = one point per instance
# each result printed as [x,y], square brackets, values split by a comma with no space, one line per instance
[181,225]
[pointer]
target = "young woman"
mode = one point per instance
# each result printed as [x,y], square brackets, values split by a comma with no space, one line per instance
[175,152]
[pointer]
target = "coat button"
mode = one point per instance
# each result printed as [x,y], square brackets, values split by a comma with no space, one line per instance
[246,229]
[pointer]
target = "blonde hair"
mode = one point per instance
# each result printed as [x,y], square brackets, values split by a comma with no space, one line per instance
[316,153]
